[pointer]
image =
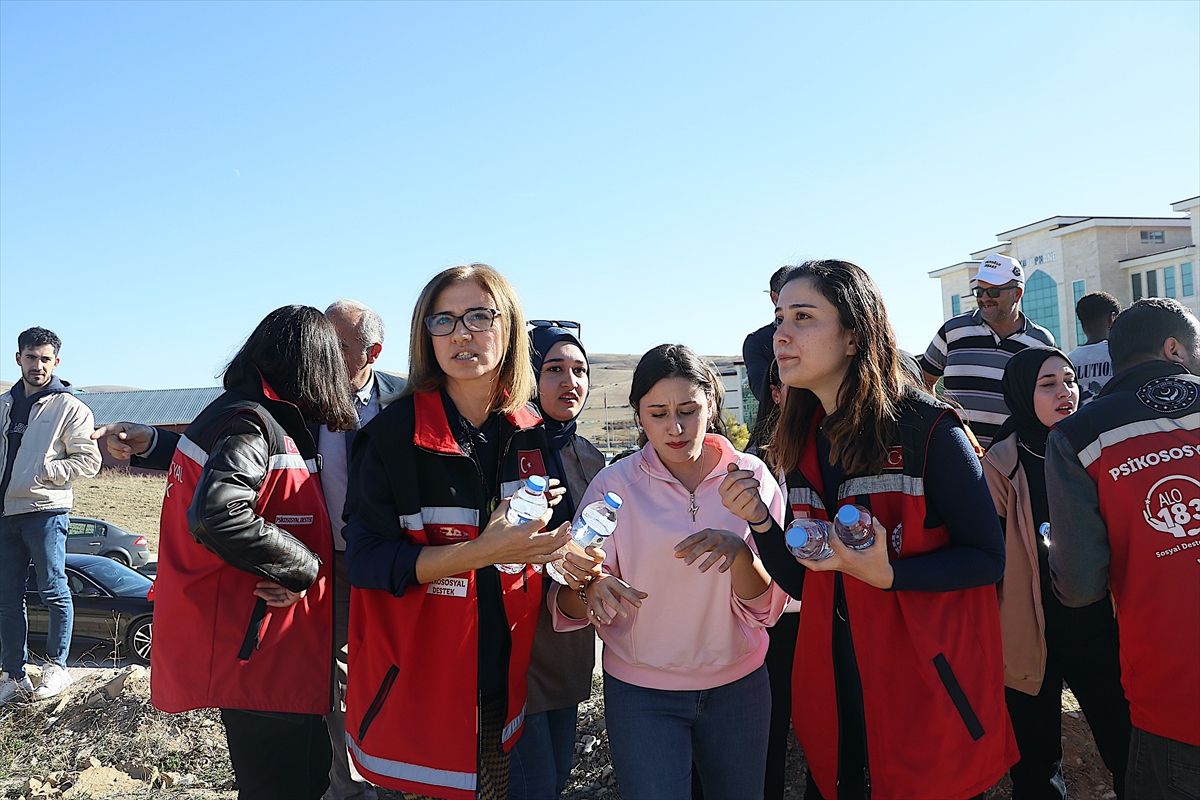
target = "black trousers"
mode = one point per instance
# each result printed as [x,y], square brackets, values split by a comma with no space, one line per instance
[1081,649]
[780,654]
[278,756]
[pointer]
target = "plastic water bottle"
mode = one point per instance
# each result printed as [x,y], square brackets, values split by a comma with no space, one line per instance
[595,524]
[528,503]
[852,524]
[808,539]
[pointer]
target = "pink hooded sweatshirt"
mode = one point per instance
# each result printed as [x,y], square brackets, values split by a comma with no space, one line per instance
[692,632]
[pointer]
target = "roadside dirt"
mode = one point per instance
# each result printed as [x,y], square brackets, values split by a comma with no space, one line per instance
[140,752]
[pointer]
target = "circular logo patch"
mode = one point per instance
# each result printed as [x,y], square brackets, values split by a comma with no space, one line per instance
[898,537]
[1173,506]
[1168,394]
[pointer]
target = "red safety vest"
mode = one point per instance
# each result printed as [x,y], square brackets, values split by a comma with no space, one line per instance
[209,649]
[1142,448]
[931,664]
[412,697]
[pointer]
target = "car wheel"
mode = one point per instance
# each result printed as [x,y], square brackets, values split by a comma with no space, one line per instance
[119,557]
[138,639]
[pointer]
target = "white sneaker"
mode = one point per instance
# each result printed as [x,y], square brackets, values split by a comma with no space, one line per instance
[54,680]
[11,689]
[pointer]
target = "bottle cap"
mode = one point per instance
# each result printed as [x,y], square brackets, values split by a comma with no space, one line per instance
[613,500]
[849,515]
[536,484]
[796,535]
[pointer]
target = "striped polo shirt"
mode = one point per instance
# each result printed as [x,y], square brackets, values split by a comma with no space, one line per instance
[970,358]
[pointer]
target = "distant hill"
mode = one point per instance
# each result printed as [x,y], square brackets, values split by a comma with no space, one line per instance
[612,375]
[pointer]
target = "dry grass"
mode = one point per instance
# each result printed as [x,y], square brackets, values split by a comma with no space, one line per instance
[132,502]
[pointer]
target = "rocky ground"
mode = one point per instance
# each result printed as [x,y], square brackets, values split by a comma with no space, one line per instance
[103,739]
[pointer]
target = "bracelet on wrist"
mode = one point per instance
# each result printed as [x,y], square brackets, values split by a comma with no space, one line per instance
[762,521]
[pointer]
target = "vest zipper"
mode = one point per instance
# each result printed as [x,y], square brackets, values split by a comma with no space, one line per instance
[385,689]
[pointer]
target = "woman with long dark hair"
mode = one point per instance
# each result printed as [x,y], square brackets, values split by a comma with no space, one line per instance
[684,643]
[560,665]
[1046,642]
[898,688]
[243,600]
[439,638]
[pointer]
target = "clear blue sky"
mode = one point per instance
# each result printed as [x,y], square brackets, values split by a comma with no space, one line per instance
[169,172]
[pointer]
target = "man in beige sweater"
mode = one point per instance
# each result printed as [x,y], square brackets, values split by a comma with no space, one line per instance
[46,443]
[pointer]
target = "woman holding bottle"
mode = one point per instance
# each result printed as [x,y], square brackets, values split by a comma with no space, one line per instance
[898,686]
[560,666]
[439,638]
[1045,642]
[683,600]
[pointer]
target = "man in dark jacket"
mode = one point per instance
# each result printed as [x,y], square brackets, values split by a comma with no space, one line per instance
[1121,475]
[758,351]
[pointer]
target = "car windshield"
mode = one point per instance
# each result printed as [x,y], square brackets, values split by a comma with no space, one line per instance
[119,579]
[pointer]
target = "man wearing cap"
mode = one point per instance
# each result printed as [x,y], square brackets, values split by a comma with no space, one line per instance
[971,350]
[758,351]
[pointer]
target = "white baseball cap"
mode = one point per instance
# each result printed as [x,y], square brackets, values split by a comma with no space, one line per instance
[999,270]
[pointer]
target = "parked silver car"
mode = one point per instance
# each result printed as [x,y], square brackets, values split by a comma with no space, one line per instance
[99,538]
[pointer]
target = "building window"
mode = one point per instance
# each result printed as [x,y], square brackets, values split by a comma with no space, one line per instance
[1168,281]
[1040,302]
[1151,283]
[1153,237]
[1137,286]
[1185,277]
[955,306]
[1077,291]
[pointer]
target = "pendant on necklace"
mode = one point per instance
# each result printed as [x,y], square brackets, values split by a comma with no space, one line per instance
[694,508]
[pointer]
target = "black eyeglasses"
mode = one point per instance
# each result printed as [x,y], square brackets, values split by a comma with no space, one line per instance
[476,319]
[556,323]
[992,291]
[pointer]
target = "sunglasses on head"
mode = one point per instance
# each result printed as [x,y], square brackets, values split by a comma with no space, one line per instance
[992,291]
[556,323]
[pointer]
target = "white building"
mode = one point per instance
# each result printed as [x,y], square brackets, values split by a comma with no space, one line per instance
[1067,257]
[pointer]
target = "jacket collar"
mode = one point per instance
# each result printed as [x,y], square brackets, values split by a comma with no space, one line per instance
[1134,378]
[653,466]
[433,426]
[1003,455]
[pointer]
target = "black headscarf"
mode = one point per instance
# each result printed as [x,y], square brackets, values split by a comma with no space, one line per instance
[1020,380]
[559,434]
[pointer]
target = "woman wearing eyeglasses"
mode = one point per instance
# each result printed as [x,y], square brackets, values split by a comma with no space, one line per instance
[1045,642]
[898,687]
[439,639]
[560,667]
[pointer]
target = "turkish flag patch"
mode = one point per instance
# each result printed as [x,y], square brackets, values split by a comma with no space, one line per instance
[529,462]
[895,458]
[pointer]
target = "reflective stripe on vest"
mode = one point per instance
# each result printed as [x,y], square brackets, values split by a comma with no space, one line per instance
[803,496]
[512,727]
[882,484]
[1117,435]
[192,450]
[411,772]
[440,515]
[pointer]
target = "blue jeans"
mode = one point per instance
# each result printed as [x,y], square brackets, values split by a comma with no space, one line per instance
[1162,767]
[654,735]
[42,538]
[540,763]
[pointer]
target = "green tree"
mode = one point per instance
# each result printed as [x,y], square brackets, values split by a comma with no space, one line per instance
[738,433]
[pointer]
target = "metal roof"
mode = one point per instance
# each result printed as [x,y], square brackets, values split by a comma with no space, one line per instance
[150,406]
